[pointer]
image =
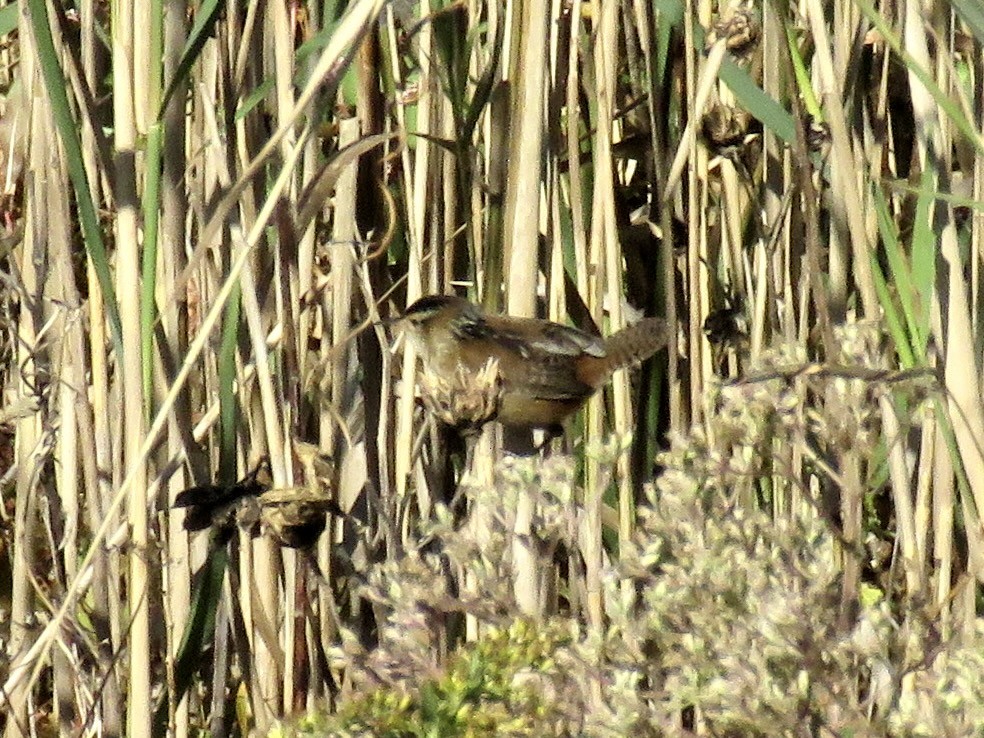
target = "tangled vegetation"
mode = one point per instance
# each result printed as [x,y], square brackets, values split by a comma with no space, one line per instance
[229,501]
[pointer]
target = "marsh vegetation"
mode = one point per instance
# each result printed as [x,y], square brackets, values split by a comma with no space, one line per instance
[210,210]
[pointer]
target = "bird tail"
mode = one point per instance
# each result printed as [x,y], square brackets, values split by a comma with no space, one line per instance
[631,345]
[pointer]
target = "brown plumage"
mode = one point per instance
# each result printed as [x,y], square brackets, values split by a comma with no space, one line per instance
[547,370]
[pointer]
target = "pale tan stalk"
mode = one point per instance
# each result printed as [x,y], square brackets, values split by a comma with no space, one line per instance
[923,508]
[522,220]
[902,497]
[447,212]
[786,252]
[359,16]
[29,432]
[67,367]
[278,35]
[523,194]
[847,196]
[481,474]
[475,219]
[70,493]
[774,83]
[341,365]
[263,571]
[694,211]
[128,290]
[95,445]
[843,173]
[977,193]
[604,281]
[849,234]
[39,648]
[245,55]
[962,370]
[705,85]
[575,182]
[417,211]
[174,338]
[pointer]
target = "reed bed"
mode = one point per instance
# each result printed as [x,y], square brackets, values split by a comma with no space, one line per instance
[772,528]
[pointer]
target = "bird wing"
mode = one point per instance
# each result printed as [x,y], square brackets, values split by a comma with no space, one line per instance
[536,356]
[533,338]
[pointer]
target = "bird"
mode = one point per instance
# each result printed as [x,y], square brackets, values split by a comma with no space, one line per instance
[293,516]
[546,371]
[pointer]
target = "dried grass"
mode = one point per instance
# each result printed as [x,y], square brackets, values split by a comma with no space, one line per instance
[187,289]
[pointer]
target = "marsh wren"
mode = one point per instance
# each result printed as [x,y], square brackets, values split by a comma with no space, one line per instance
[546,371]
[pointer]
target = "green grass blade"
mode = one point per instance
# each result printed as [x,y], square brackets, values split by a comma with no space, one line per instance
[486,83]
[68,131]
[946,104]
[228,404]
[151,217]
[914,276]
[901,273]
[207,589]
[202,31]
[254,98]
[923,260]
[971,12]
[316,43]
[756,101]
[8,19]
[899,329]
[449,27]
[803,81]
[669,15]
[151,205]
